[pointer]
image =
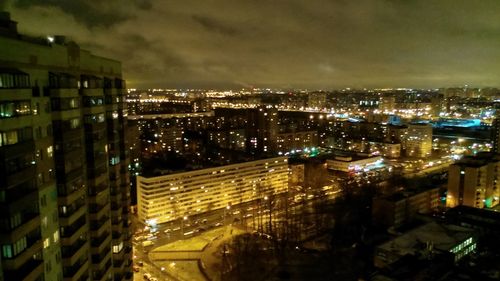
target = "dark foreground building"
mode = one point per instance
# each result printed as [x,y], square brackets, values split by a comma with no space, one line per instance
[64,184]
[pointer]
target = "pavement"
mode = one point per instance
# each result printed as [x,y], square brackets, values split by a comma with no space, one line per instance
[208,258]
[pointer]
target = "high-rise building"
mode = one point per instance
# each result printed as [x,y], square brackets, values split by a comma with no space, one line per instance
[474,182]
[64,187]
[495,135]
[419,140]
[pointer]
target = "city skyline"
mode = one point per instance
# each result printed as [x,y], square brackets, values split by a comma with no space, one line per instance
[293,44]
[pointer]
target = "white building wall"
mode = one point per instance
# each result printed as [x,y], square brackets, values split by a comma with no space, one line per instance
[170,197]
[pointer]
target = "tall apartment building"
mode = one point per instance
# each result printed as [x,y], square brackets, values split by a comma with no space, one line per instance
[64,187]
[495,135]
[173,196]
[474,182]
[419,140]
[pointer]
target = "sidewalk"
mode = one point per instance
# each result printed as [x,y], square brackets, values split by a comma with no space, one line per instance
[208,258]
[211,259]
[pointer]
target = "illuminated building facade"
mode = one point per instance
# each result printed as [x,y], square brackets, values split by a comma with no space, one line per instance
[352,163]
[419,140]
[296,140]
[474,182]
[64,187]
[170,197]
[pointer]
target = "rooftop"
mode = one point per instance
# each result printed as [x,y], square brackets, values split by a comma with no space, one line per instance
[442,236]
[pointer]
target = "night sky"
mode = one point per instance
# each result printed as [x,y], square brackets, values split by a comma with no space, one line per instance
[311,44]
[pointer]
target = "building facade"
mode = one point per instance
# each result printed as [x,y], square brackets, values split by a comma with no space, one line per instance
[62,148]
[419,140]
[474,182]
[352,163]
[170,197]
[400,208]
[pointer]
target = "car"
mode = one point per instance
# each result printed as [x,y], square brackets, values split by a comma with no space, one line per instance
[153,279]
[147,243]
[140,263]
[176,228]
[167,230]
[204,221]
[218,224]
[147,276]
[136,268]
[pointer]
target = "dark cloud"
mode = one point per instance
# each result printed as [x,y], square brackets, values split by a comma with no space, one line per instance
[214,26]
[292,43]
[92,12]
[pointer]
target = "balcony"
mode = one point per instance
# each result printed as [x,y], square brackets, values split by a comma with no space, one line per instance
[94,91]
[98,259]
[69,230]
[95,172]
[73,174]
[76,270]
[72,212]
[31,270]
[95,190]
[16,93]
[102,273]
[97,226]
[118,263]
[11,179]
[29,222]
[73,252]
[99,241]
[96,211]
[20,203]
[34,246]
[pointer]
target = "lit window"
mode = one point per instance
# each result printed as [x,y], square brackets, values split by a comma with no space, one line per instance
[56,236]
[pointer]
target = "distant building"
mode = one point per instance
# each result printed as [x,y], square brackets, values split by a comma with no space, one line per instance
[474,182]
[287,142]
[427,241]
[389,150]
[387,103]
[419,140]
[352,163]
[296,177]
[173,196]
[402,207]
[317,100]
[496,135]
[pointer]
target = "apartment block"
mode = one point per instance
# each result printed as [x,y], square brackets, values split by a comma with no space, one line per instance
[64,162]
[474,182]
[419,140]
[173,196]
[403,207]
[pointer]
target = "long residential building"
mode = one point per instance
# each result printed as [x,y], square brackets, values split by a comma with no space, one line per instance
[169,197]
[64,185]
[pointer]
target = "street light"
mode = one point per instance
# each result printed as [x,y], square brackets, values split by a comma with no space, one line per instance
[182,225]
[172,265]
[227,208]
